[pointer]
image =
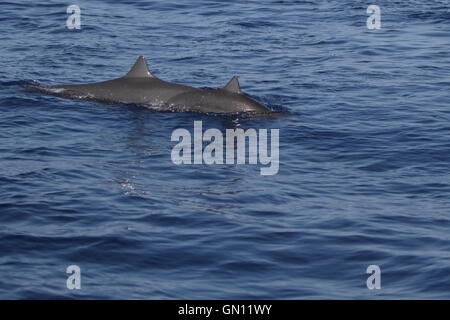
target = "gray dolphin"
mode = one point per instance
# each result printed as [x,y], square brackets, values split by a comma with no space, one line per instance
[140,86]
[230,99]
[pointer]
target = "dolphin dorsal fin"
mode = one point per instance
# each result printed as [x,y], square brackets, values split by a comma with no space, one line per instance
[139,69]
[233,85]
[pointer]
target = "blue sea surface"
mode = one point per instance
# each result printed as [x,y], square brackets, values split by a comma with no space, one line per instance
[364,173]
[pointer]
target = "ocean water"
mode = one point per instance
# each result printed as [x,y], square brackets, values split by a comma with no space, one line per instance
[364,175]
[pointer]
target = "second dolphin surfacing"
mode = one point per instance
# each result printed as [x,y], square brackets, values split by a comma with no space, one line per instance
[140,86]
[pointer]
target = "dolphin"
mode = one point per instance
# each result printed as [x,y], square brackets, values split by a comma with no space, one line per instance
[140,86]
[230,99]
